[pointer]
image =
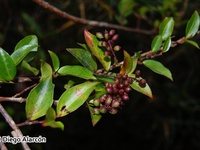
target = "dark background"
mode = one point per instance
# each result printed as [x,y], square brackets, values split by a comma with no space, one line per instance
[171,121]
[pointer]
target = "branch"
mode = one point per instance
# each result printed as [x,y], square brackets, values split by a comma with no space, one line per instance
[13,99]
[12,124]
[93,23]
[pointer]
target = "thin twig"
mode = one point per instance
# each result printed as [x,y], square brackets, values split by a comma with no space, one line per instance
[13,125]
[24,90]
[93,23]
[29,123]
[13,99]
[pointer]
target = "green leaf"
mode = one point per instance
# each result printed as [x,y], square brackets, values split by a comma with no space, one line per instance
[192,43]
[129,64]
[167,44]
[158,68]
[50,120]
[40,97]
[192,25]
[30,40]
[125,7]
[77,71]
[74,97]
[84,57]
[55,61]
[29,68]
[104,78]
[166,28]
[69,84]
[95,118]
[146,90]
[156,43]
[92,43]
[7,67]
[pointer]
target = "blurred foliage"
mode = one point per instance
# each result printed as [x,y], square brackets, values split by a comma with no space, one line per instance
[171,121]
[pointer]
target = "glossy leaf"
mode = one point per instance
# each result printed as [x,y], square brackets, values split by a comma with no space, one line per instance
[94,118]
[192,25]
[146,90]
[158,68]
[21,53]
[74,97]
[192,43]
[7,67]
[104,78]
[167,44]
[30,40]
[77,71]
[92,43]
[55,61]
[40,97]
[129,64]
[29,68]
[50,120]
[84,57]
[166,28]
[156,43]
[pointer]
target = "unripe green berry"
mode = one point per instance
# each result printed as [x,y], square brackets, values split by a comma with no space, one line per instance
[115,104]
[113,111]
[117,48]
[103,109]
[96,111]
[106,35]
[96,102]
[99,35]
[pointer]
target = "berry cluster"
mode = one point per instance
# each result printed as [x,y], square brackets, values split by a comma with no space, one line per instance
[107,41]
[117,94]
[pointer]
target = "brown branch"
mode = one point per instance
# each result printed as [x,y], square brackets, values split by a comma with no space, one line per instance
[12,99]
[29,123]
[93,23]
[23,91]
[13,125]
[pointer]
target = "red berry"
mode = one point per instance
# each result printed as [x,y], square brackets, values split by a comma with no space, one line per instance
[142,83]
[125,97]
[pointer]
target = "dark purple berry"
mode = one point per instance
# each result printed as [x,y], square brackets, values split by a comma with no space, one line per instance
[125,76]
[107,53]
[121,91]
[115,37]
[137,73]
[120,85]
[111,32]
[125,97]
[119,76]
[142,83]
[109,90]
[127,89]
